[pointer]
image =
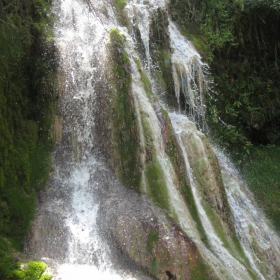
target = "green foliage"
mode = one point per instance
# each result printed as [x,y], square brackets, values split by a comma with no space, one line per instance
[243,43]
[27,102]
[184,11]
[32,271]
[7,264]
[262,173]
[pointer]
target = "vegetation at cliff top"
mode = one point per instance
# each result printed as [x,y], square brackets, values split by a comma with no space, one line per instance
[27,104]
[242,40]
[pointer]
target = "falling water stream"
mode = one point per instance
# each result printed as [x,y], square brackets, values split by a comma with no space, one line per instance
[66,233]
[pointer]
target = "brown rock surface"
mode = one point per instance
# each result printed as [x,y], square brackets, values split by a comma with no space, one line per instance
[147,237]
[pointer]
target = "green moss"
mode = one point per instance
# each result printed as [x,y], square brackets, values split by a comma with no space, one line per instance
[200,43]
[40,164]
[162,58]
[7,263]
[121,16]
[193,32]
[46,277]
[155,178]
[160,80]
[21,211]
[231,243]
[144,78]
[124,129]
[154,266]
[215,220]
[149,145]
[200,271]
[157,189]
[10,270]
[152,239]
[194,212]
[146,82]
[32,271]
[120,4]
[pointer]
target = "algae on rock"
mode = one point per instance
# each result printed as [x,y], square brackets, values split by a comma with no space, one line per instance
[120,123]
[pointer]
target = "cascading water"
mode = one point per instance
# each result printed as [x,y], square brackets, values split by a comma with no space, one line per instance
[261,244]
[66,219]
[82,197]
[188,75]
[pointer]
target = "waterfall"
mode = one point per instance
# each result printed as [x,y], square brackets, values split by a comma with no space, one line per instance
[66,232]
[88,224]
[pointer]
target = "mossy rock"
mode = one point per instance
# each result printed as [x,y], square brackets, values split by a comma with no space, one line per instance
[121,15]
[155,242]
[118,116]
[156,183]
[34,270]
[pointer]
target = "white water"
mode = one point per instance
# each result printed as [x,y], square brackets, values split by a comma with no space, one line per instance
[234,269]
[175,199]
[189,75]
[189,78]
[81,36]
[183,126]
[261,244]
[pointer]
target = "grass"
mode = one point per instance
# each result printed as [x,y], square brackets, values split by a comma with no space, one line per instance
[262,173]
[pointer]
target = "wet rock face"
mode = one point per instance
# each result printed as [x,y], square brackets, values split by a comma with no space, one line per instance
[48,237]
[48,224]
[207,174]
[144,235]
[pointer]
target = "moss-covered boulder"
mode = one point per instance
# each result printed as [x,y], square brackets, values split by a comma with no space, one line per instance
[34,270]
